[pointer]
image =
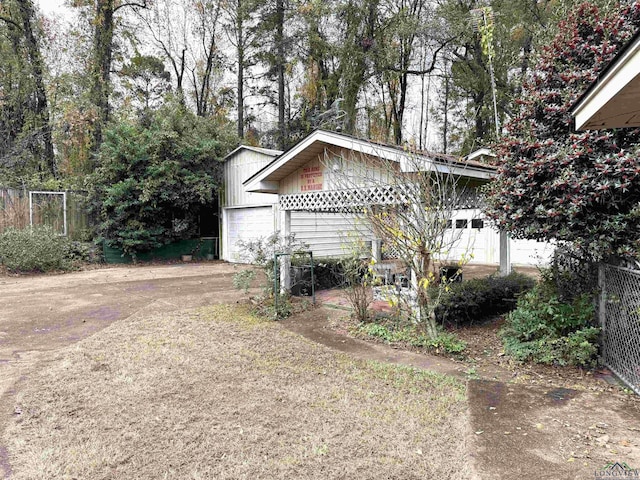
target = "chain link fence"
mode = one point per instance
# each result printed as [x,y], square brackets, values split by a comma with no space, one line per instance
[619,315]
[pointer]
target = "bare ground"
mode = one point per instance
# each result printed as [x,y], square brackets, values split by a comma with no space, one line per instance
[42,313]
[215,393]
[522,422]
[526,421]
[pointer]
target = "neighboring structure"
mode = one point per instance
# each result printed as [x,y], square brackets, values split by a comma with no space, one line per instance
[245,215]
[613,100]
[299,192]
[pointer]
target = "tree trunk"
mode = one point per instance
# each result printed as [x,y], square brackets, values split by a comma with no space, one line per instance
[445,122]
[102,55]
[282,129]
[41,105]
[240,78]
[480,121]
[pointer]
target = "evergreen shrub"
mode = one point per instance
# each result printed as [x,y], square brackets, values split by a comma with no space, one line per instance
[545,329]
[476,299]
[37,249]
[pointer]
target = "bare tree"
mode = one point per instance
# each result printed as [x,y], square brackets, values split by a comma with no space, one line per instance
[206,54]
[409,199]
[186,37]
[240,26]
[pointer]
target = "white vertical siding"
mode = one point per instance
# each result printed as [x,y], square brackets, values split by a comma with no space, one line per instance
[330,234]
[237,169]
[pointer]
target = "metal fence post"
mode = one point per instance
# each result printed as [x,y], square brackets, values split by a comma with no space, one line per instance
[602,304]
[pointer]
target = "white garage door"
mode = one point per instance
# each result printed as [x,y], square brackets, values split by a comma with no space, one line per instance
[246,224]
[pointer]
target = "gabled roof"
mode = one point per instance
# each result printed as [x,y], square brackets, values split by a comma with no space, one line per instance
[613,99]
[265,151]
[267,179]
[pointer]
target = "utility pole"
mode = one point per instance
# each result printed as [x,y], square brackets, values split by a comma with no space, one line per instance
[482,19]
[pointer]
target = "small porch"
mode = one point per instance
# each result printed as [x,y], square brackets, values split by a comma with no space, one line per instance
[388,265]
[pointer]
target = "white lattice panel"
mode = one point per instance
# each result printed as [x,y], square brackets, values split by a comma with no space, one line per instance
[335,201]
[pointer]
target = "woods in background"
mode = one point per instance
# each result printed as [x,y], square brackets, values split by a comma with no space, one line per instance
[413,72]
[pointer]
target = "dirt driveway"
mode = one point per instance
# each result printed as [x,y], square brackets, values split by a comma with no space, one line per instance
[46,312]
[563,432]
[43,313]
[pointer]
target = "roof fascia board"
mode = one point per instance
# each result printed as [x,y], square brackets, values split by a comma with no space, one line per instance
[363,146]
[264,151]
[626,68]
[464,171]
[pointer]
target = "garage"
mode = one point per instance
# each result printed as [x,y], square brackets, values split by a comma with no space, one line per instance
[243,224]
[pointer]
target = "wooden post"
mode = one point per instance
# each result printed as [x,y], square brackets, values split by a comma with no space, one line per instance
[376,250]
[505,254]
[285,260]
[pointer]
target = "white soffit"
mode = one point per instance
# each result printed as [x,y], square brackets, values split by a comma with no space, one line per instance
[613,101]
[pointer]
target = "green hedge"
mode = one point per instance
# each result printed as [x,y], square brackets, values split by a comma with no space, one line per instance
[476,299]
[37,249]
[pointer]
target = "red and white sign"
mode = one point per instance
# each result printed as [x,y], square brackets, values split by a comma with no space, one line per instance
[311,179]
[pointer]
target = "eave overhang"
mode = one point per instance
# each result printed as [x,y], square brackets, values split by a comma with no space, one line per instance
[613,100]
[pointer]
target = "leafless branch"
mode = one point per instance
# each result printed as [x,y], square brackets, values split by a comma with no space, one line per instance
[131,4]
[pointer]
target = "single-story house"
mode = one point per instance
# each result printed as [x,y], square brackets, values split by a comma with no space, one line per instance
[299,191]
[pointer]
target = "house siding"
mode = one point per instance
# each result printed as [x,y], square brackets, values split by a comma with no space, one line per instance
[239,207]
[351,172]
[330,234]
[236,170]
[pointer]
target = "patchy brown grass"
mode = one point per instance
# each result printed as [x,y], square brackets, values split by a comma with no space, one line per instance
[218,393]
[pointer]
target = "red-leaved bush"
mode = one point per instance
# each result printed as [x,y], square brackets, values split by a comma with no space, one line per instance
[582,188]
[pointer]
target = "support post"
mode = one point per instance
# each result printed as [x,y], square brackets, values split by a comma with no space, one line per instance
[376,250]
[224,237]
[505,254]
[285,261]
[64,212]
[602,301]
